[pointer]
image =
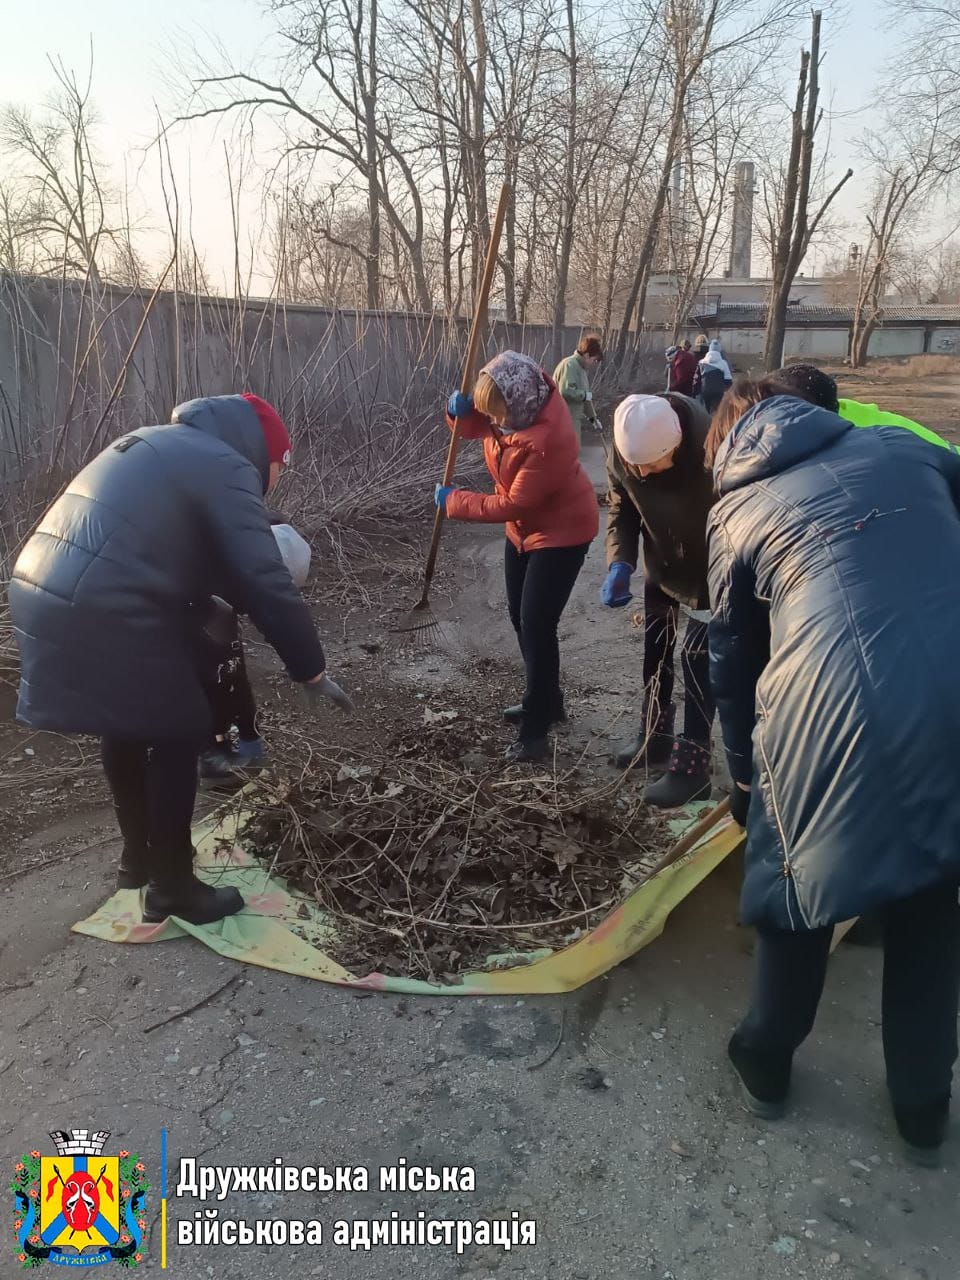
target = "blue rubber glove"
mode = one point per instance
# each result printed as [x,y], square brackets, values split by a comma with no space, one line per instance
[459,405]
[441,493]
[615,592]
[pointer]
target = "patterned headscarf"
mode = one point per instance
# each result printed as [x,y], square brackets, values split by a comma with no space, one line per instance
[521,382]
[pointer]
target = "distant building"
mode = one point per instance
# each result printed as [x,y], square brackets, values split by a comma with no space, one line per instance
[722,291]
[823,331]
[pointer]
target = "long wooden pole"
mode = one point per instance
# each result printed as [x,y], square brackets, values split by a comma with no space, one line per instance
[466,382]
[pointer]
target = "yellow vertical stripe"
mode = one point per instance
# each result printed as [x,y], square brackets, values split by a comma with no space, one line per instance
[163,1235]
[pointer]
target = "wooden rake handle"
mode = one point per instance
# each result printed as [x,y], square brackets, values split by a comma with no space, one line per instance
[692,837]
[466,382]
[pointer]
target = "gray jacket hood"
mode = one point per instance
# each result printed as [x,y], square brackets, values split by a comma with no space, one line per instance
[231,419]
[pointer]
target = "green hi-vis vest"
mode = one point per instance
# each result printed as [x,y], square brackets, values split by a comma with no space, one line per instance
[868,415]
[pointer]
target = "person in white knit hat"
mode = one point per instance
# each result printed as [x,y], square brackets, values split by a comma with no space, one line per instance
[659,495]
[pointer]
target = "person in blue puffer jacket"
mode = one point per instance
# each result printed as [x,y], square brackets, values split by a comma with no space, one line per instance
[109,599]
[833,647]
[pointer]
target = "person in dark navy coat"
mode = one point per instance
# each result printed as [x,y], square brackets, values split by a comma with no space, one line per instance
[109,600]
[833,559]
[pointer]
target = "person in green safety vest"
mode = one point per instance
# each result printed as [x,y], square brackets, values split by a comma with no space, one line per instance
[818,387]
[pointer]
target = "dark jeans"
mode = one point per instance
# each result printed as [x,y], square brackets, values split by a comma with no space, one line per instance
[538,588]
[154,789]
[661,616]
[921,987]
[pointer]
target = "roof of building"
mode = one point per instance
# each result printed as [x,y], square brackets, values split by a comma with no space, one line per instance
[754,314]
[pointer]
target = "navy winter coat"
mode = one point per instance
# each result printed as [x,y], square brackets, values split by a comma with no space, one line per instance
[835,583]
[110,593]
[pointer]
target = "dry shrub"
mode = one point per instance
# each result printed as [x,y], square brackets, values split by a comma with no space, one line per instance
[923,366]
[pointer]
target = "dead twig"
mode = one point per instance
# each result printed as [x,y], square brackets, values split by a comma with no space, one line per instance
[183,1013]
[543,1061]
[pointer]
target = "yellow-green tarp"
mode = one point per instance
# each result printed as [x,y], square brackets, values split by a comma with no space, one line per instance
[281,928]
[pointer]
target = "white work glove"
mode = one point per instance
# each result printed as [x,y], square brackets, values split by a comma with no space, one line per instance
[324,687]
[588,396]
[597,424]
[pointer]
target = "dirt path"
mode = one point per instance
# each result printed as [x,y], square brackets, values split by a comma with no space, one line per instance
[655,1173]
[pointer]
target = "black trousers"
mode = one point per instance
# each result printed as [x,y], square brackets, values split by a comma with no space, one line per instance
[538,588]
[223,674]
[154,788]
[921,987]
[661,617]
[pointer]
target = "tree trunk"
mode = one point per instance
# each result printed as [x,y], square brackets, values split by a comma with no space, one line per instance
[637,297]
[781,280]
[478,154]
[510,242]
[569,204]
[372,164]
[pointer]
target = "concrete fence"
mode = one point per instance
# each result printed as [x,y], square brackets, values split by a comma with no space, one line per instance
[63,348]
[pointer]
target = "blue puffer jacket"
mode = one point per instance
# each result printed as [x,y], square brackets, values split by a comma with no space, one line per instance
[835,583]
[109,595]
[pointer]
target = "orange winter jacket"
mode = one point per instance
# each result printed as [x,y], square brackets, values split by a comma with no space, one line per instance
[541,492]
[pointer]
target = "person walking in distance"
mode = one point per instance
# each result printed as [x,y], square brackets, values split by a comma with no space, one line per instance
[572,376]
[545,500]
[108,600]
[659,497]
[712,377]
[683,369]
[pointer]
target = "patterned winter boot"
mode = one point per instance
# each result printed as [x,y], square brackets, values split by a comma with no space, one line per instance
[687,777]
[650,747]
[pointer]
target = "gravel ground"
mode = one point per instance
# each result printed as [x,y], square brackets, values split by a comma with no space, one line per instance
[609,1116]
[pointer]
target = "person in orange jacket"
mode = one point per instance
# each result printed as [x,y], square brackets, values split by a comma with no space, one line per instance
[546,501]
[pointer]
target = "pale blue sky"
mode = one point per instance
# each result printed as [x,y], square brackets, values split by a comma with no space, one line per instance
[133,72]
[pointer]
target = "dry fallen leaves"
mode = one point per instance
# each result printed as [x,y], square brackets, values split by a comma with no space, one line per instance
[430,865]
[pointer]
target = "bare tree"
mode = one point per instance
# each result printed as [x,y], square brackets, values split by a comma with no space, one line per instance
[336,50]
[924,272]
[907,159]
[695,34]
[795,223]
[723,128]
[18,246]
[64,208]
[927,67]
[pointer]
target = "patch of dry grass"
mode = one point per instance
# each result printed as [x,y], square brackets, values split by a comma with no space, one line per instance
[924,366]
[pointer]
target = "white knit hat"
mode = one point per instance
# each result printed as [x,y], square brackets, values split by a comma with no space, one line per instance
[645,429]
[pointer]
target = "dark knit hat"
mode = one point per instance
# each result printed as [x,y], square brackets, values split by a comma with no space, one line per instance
[811,383]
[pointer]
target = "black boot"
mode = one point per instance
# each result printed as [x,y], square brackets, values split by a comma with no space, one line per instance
[514,715]
[764,1079]
[651,745]
[219,771]
[175,891]
[923,1130]
[687,777]
[527,750]
[133,871]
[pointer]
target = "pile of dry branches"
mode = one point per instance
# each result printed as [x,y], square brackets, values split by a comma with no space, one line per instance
[431,859]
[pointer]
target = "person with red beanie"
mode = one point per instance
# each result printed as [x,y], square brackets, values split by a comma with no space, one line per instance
[109,600]
[275,433]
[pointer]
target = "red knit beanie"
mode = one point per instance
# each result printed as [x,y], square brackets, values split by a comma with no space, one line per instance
[274,431]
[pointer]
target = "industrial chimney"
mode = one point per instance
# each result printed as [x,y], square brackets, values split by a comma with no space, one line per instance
[741,236]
